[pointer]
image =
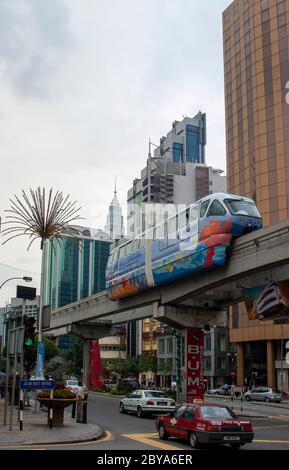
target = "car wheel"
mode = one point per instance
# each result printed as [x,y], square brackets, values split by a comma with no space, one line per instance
[140,412]
[267,400]
[163,433]
[194,441]
[121,408]
[235,446]
[247,398]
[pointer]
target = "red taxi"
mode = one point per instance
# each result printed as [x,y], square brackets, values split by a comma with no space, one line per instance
[205,424]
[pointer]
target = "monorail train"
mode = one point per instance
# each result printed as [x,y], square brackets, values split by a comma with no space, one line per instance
[187,243]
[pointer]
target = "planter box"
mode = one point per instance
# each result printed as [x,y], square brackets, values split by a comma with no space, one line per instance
[58,406]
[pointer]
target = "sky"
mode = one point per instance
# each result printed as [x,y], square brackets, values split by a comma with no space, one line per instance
[84,85]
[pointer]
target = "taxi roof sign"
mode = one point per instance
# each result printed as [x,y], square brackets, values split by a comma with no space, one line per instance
[198,401]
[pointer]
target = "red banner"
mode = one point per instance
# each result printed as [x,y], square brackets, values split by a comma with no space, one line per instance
[195,364]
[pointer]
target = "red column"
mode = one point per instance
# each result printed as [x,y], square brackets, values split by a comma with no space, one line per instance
[95,369]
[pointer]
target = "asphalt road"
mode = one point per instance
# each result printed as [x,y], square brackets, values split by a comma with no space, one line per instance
[124,432]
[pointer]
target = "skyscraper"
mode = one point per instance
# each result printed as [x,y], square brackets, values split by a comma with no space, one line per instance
[256,62]
[257,116]
[114,222]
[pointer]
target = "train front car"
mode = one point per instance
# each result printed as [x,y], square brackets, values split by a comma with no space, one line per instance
[228,214]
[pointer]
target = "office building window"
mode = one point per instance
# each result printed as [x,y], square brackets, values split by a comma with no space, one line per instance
[178,152]
[208,363]
[193,144]
[223,343]
[208,342]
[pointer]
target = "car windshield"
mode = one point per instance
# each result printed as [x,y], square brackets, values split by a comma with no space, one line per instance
[71,382]
[241,207]
[276,390]
[155,395]
[221,412]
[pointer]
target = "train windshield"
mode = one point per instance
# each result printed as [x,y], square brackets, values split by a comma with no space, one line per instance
[242,207]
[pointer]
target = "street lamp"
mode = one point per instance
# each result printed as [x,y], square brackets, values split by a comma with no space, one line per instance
[24,278]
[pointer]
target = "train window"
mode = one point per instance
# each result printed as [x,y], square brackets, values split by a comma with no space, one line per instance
[182,220]
[128,249]
[134,245]
[122,251]
[216,209]
[115,256]
[141,242]
[204,207]
[241,207]
[193,213]
[159,232]
[172,225]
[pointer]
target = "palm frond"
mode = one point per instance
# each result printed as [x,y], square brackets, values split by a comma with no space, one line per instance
[39,217]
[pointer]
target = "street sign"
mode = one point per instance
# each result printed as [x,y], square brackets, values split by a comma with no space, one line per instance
[36,384]
[24,292]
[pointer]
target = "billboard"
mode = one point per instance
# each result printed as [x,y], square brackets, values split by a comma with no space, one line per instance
[267,302]
[195,364]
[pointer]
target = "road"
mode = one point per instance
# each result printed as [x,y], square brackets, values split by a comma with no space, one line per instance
[127,431]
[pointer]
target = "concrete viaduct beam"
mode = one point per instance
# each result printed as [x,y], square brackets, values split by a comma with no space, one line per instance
[90,331]
[186,317]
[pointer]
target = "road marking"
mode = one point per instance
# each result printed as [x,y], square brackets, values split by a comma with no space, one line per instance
[267,441]
[272,427]
[107,437]
[150,440]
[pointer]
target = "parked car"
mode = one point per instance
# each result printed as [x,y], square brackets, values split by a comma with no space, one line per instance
[147,402]
[220,390]
[129,382]
[263,394]
[205,424]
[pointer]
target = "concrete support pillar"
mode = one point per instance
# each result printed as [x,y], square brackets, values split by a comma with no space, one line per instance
[271,376]
[86,359]
[240,365]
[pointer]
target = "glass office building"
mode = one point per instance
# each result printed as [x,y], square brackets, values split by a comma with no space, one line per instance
[75,266]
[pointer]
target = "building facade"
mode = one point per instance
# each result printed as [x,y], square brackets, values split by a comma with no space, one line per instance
[175,174]
[75,266]
[256,67]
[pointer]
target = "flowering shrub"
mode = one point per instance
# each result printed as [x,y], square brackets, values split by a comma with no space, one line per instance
[58,393]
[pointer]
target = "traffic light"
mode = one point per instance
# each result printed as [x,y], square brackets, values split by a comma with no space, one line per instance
[29,331]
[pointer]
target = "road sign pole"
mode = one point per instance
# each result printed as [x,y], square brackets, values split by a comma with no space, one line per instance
[7,373]
[14,379]
[51,410]
[21,410]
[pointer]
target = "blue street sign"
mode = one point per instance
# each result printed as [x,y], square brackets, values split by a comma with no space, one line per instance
[40,360]
[36,384]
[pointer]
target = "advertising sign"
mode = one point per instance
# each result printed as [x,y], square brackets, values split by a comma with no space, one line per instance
[267,302]
[195,364]
[40,360]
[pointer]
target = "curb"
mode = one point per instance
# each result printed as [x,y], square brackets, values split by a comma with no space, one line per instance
[99,394]
[92,436]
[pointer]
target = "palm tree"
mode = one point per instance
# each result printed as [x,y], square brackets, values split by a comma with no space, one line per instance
[41,218]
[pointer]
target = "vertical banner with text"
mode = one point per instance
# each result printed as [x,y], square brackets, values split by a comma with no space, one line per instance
[195,364]
[40,360]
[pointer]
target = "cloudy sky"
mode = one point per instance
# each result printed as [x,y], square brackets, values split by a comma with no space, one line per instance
[84,84]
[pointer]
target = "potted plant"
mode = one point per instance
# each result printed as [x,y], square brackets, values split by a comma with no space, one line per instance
[61,399]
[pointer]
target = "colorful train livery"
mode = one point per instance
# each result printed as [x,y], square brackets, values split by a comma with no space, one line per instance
[191,241]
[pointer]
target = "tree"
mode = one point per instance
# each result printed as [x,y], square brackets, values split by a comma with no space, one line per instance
[39,218]
[30,354]
[74,357]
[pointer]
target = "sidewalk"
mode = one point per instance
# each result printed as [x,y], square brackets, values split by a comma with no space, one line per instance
[36,432]
[284,404]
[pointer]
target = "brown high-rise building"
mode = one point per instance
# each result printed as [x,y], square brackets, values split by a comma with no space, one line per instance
[256,63]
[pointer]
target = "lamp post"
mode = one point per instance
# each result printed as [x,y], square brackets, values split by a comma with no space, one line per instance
[7,329]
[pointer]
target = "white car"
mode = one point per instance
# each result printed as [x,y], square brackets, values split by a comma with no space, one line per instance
[71,385]
[147,401]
